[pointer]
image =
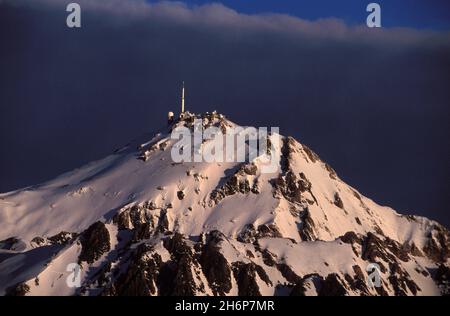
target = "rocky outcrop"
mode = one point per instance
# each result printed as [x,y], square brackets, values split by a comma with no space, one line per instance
[311,282]
[337,201]
[357,282]
[142,231]
[215,266]
[20,289]
[332,285]
[37,241]
[298,290]
[95,242]
[442,278]
[242,181]
[250,234]
[437,247]
[312,156]
[61,238]
[307,226]
[401,280]
[295,188]
[288,273]
[176,276]
[180,195]
[9,243]
[132,216]
[245,275]
[142,274]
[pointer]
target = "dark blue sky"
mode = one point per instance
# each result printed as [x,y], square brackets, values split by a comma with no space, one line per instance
[372,103]
[434,14]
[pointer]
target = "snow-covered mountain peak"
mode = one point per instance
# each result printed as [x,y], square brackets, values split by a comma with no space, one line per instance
[299,230]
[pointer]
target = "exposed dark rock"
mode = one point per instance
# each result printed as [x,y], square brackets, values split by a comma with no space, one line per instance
[413,249]
[287,146]
[142,231]
[122,220]
[378,230]
[95,241]
[183,284]
[215,267]
[356,195]
[373,249]
[263,275]
[304,184]
[176,276]
[311,155]
[292,188]
[358,283]
[399,288]
[255,187]
[288,273]
[401,281]
[422,271]
[442,278]
[177,246]
[151,205]
[20,289]
[268,258]
[163,222]
[398,250]
[331,172]
[337,201]
[300,288]
[236,183]
[307,226]
[289,187]
[245,275]
[250,169]
[135,215]
[141,276]
[358,271]
[61,238]
[103,275]
[268,230]
[249,234]
[437,247]
[9,243]
[180,195]
[350,238]
[332,286]
[38,241]
[381,291]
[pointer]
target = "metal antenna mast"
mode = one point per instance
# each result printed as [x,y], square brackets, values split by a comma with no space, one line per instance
[182,99]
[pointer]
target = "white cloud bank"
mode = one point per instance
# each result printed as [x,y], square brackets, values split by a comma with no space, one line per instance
[222,18]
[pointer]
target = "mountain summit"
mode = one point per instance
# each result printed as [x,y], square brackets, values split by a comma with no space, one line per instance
[138,223]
